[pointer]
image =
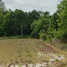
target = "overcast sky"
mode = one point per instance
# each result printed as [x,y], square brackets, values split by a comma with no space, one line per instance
[29,5]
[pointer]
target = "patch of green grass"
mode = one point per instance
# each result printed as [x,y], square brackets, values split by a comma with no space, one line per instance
[57,60]
[29,55]
[62,64]
[20,56]
[30,61]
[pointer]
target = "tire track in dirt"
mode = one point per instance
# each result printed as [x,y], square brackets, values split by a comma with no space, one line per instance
[51,50]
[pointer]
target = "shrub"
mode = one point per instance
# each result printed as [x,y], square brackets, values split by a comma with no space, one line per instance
[43,36]
[24,36]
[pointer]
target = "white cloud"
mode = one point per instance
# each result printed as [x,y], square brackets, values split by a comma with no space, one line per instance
[19,2]
[9,6]
[29,5]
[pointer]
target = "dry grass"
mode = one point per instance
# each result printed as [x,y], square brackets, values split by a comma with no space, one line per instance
[59,44]
[25,50]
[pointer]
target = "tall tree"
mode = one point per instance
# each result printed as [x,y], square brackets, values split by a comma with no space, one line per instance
[13,21]
[2,5]
[39,25]
[1,21]
[2,13]
[54,22]
[46,14]
[62,8]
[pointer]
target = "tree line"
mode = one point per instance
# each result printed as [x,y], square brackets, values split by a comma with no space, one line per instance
[36,24]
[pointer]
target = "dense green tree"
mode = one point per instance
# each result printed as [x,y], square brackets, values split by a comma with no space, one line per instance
[1,20]
[54,22]
[40,13]
[19,17]
[38,26]
[46,14]
[13,21]
[62,31]
[8,24]
[33,15]
[2,13]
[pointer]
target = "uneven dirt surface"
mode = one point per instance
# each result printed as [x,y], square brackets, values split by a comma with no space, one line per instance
[51,50]
[22,51]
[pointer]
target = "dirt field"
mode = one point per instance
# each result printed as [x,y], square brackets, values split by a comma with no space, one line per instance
[26,50]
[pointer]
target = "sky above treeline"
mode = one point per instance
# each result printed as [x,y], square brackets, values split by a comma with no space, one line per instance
[29,5]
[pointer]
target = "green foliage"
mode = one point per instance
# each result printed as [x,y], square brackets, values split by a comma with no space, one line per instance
[62,30]
[29,55]
[2,13]
[20,56]
[19,36]
[58,24]
[57,60]
[37,26]
[13,21]
[43,36]
[11,37]
[24,36]
[51,31]
[30,61]
[2,5]
[54,22]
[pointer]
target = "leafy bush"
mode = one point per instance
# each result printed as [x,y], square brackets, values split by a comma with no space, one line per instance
[43,36]
[20,36]
[11,37]
[24,36]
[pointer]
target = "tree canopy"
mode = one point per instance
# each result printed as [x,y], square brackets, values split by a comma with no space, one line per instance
[35,23]
[62,30]
[2,5]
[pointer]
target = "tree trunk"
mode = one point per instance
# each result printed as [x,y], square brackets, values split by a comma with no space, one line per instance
[48,36]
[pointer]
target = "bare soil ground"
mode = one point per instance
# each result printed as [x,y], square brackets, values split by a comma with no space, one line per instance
[25,50]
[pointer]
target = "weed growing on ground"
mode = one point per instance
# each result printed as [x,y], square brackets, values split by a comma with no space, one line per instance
[57,60]
[29,55]
[30,61]
[62,64]
[20,56]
